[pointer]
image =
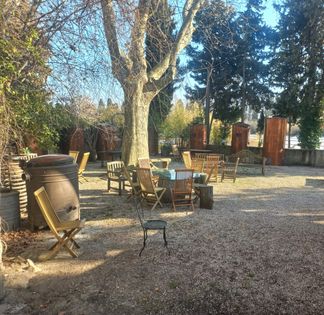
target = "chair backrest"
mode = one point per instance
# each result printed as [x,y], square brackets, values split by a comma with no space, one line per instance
[115,166]
[186,159]
[183,181]
[197,165]
[47,209]
[84,162]
[74,154]
[175,150]
[144,176]
[201,156]
[209,167]
[144,163]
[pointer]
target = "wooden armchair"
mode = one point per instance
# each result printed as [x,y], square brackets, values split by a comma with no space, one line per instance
[116,173]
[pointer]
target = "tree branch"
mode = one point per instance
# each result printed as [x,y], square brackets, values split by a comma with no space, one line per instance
[120,62]
[169,62]
[137,47]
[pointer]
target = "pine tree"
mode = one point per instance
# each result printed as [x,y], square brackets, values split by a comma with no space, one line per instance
[299,67]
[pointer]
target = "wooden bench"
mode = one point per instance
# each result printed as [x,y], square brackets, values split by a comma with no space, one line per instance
[249,159]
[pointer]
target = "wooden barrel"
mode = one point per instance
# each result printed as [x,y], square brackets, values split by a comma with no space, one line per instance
[9,209]
[198,137]
[274,139]
[240,137]
[59,175]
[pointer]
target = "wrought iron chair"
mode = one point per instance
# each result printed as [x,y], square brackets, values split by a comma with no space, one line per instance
[186,159]
[157,225]
[229,170]
[181,191]
[83,165]
[116,173]
[74,155]
[68,228]
[149,192]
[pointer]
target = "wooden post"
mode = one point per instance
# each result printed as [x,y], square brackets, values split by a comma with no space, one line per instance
[206,196]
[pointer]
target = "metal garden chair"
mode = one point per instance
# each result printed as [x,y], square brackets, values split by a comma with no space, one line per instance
[147,225]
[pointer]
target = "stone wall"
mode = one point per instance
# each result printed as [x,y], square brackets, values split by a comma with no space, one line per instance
[300,157]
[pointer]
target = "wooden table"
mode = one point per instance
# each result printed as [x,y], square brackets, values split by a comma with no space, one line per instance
[167,180]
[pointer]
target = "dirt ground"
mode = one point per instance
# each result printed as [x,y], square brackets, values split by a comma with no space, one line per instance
[259,251]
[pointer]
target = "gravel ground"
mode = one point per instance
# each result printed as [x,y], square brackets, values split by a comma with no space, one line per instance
[259,251]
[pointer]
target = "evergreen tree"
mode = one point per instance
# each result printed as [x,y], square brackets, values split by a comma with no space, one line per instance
[299,67]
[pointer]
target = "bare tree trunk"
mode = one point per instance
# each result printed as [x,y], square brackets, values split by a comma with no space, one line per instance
[135,137]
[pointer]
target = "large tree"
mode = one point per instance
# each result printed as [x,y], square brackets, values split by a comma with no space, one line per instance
[299,66]
[129,66]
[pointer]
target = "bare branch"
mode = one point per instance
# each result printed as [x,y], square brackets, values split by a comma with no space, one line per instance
[120,62]
[182,40]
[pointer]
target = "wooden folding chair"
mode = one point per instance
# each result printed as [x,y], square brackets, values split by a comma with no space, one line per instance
[74,155]
[149,192]
[135,186]
[197,164]
[83,165]
[229,170]
[181,191]
[68,228]
[212,161]
[146,163]
[186,159]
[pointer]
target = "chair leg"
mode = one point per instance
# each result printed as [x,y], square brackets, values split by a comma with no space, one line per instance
[108,184]
[165,240]
[119,187]
[144,242]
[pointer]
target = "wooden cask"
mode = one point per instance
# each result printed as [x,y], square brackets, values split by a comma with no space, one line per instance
[274,139]
[240,136]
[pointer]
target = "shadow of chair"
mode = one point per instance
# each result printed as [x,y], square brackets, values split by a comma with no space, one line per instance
[116,173]
[149,192]
[68,228]
[181,192]
[83,165]
[229,170]
[147,225]
[74,155]
[186,159]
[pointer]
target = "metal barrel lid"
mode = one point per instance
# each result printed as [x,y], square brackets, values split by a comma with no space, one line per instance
[50,160]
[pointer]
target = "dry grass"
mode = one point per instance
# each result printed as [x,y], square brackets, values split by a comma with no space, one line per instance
[260,251]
